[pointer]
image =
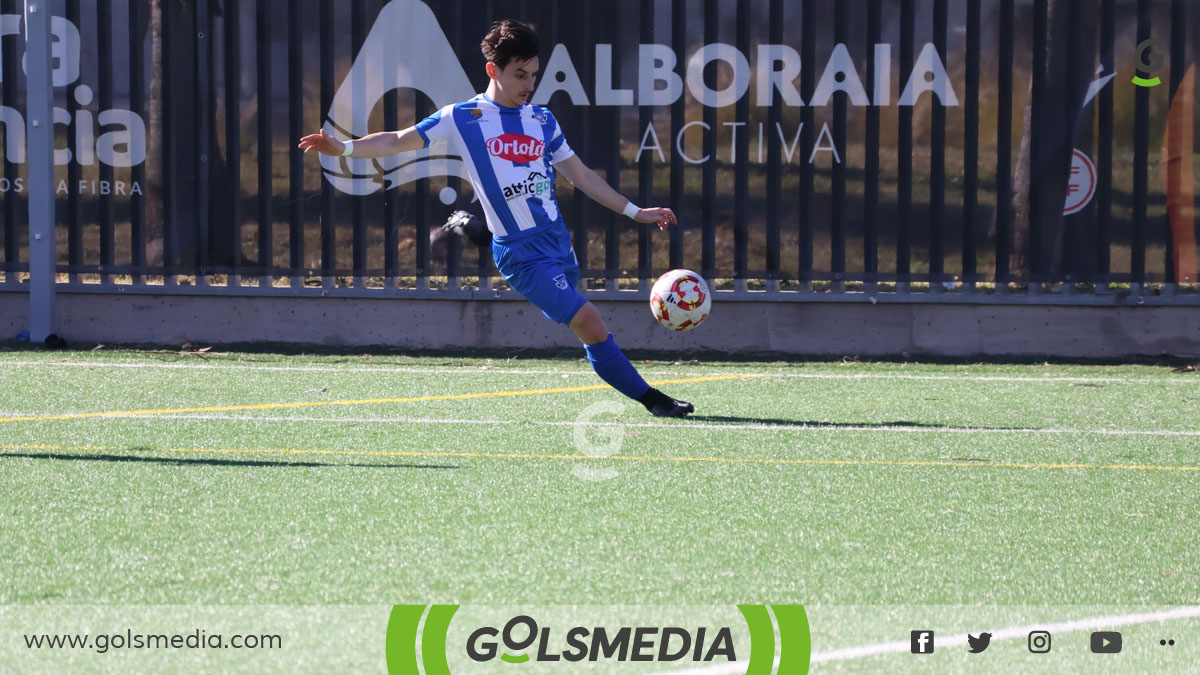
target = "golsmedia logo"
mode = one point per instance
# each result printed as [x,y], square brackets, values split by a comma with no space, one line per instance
[517,148]
[484,639]
[626,643]
[1149,59]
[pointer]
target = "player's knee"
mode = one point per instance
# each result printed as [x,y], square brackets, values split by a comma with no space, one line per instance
[589,325]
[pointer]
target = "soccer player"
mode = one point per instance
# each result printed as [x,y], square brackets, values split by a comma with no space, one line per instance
[512,149]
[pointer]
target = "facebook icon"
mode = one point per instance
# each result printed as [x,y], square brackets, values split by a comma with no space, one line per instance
[922,642]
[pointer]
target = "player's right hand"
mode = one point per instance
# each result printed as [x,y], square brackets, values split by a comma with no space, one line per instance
[322,143]
[663,217]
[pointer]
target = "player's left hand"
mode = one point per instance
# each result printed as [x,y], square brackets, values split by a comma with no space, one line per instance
[664,217]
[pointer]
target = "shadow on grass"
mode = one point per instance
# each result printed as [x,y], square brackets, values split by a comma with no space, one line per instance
[718,419]
[184,461]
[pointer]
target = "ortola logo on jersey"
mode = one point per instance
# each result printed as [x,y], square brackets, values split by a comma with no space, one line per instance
[516,147]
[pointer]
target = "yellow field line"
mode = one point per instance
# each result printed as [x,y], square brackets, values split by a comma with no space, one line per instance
[616,458]
[368,401]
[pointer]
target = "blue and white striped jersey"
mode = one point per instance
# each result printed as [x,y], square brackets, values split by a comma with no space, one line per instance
[509,154]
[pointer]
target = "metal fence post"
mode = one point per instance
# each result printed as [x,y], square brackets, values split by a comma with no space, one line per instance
[42,306]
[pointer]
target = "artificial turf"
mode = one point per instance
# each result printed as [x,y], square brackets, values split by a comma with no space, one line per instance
[281,479]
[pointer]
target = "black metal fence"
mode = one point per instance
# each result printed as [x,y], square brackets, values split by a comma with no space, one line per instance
[808,144]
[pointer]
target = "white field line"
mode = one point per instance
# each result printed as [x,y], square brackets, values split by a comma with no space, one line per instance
[677,426]
[1022,632]
[577,373]
[466,370]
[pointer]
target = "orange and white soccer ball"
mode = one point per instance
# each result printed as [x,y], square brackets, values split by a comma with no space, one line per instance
[680,300]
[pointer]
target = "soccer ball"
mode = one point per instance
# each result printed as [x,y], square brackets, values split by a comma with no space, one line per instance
[680,300]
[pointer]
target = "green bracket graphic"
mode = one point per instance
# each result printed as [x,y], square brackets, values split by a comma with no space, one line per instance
[401,646]
[402,639]
[795,640]
[433,639]
[762,639]
[1143,82]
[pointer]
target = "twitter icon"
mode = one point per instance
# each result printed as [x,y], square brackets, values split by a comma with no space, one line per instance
[978,644]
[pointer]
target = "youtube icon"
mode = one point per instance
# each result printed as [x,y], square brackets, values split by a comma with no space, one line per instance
[1106,642]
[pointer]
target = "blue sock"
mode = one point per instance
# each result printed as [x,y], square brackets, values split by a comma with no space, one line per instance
[614,368]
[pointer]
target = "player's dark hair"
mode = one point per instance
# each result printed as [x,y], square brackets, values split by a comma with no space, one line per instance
[508,40]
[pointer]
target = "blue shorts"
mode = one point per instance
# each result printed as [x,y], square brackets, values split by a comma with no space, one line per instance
[543,268]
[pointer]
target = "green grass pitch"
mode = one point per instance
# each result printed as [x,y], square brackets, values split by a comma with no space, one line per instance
[274,479]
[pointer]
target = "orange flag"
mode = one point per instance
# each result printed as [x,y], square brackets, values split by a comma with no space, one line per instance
[1179,176]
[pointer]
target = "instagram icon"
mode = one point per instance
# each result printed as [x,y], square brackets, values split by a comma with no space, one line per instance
[1039,641]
